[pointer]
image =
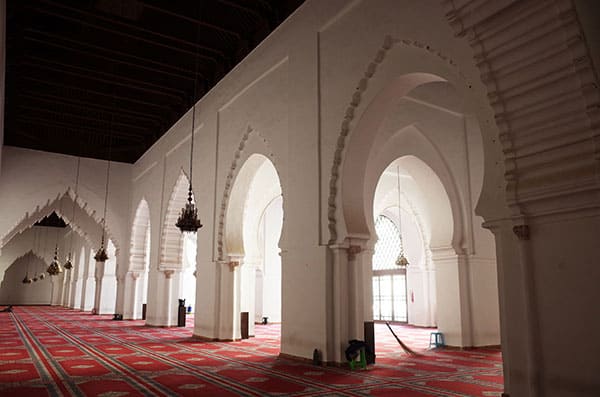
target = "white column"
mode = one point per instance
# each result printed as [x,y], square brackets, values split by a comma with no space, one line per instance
[55,291]
[131,311]
[76,286]
[453,296]
[88,283]
[60,289]
[98,273]
[352,295]
[228,318]
[170,310]
[66,298]
[108,293]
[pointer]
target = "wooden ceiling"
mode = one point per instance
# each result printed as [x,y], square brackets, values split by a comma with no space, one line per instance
[107,78]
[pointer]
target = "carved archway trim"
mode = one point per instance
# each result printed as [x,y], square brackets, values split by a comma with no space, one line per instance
[239,159]
[55,206]
[346,125]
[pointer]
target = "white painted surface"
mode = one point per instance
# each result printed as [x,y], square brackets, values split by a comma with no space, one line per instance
[331,98]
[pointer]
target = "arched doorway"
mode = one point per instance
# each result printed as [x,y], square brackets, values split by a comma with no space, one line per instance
[253,228]
[136,279]
[175,278]
[420,121]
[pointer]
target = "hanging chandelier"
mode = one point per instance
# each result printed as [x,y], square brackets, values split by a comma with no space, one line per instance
[188,218]
[401,261]
[101,255]
[54,268]
[68,265]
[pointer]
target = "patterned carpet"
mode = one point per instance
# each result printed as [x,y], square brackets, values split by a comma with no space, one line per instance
[51,351]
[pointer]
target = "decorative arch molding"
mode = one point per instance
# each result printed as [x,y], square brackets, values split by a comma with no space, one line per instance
[33,253]
[543,89]
[139,237]
[30,253]
[425,237]
[421,156]
[172,237]
[88,223]
[347,124]
[240,157]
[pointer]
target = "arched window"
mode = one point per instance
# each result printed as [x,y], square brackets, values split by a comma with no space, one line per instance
[389,281]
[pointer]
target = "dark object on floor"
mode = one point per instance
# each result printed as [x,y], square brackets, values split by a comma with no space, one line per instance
[244,325]
[357,349]
[317,357]
[369,329]
[7,309]
[404,347]
[181,314]
[118,316]
[265,320]
[353,349]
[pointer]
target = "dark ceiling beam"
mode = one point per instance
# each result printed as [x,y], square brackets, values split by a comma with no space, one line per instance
[131,36]
[45,101]
[181,40]
[245,9]
[88,129]
[187,74]
[136,100]
[87,119]
[193,20]
[79,103]
[93,73]
[105,81]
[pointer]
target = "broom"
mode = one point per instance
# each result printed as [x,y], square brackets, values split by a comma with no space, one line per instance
[404,347]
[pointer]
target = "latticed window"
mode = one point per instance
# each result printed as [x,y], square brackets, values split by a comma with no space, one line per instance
[388,244]
[389,281]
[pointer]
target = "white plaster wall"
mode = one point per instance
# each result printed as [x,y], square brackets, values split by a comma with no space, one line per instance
[292,93]
[301,92]
[40,242]
[32,178]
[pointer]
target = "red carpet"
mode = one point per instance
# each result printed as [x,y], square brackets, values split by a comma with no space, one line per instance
[51,351]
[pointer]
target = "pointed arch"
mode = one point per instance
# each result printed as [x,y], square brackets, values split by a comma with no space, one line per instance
[172,239]
[88,223]
[251,144]
[381,83]
[140,237]
[418,156]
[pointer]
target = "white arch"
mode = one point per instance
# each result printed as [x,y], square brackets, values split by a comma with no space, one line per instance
[259,182]
[88,223]
[172,238]
[440,198]
[140,235]
[255,186]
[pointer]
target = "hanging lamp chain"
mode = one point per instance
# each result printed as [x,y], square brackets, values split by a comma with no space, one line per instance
[68,264]
[188,219]
[101,255]
[401,261]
